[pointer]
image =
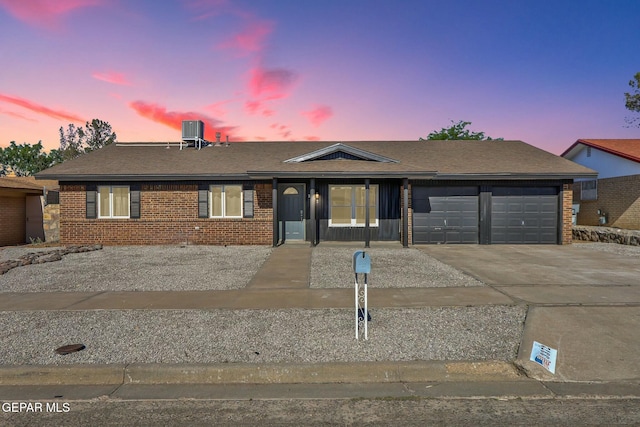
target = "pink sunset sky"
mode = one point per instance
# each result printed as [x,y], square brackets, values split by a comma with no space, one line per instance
[545,72]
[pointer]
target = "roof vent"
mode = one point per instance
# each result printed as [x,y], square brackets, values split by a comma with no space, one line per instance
[193,134]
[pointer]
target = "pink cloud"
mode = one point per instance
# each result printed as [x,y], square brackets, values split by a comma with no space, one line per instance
[318,115]
[40,109]
[252,107]
[112,77]
[268,84]
[312,138]
[217,107]
[46,13]
[173,119]
[282,130]
[250,40]
[17,115]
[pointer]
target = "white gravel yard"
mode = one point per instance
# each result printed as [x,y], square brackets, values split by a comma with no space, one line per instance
[138,268]
[390,268]
[260,336]
[613,248]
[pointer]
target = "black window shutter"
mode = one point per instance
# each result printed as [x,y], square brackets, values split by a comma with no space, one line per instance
[134,197]
[91,202]
[248,204]
[203,203]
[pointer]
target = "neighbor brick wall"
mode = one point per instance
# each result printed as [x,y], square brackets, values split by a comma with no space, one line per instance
[618,197]
[12,220]
[168,215]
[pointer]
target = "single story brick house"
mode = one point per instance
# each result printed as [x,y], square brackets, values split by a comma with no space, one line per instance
[268,193]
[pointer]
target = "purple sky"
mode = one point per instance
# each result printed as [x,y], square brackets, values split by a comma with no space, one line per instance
[545,72]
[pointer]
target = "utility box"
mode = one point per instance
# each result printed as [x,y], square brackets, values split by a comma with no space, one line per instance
[192,130]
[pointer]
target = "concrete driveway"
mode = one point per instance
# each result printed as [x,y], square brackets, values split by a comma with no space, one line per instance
[583,302]
[539,264]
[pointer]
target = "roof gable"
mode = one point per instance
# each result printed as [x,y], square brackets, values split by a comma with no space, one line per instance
[341,151]
[625,148]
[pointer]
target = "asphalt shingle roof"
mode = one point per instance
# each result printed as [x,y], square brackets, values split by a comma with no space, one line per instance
[445,159]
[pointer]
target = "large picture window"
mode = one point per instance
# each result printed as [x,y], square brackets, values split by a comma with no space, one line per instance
[348,205]
[113,201]
[226,201]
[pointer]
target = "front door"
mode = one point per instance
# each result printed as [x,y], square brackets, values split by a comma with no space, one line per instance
[291,211]
[34,226]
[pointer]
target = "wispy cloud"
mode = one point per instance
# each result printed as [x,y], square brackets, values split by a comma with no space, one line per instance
[266,85]
[44,13]
[112,77]
[173,119]
[40,109]
[251,40]
[17,115]
[312,138]
[282,130]
[203,9]
[319,114]
[217,108]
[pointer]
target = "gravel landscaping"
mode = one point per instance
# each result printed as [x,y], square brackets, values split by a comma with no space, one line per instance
[138,268]
[260,336]
[613,248]
[390,268]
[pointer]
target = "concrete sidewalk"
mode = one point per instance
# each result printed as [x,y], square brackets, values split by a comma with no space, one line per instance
[594,325]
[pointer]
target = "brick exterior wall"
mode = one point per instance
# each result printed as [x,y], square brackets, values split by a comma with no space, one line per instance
[12,220]
[567,213]
[168,215]
[410,213]
[618,197]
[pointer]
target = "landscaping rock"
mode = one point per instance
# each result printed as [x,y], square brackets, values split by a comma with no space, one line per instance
[606,235]
[43,257]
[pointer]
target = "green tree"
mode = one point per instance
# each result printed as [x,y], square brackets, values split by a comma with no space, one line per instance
[26,159]
[70,145]
[458,131]
[632,100]
[77,141]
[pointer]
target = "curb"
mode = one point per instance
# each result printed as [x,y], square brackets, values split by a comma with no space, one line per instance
[273,373]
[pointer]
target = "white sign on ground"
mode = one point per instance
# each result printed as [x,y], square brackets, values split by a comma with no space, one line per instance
[544,356]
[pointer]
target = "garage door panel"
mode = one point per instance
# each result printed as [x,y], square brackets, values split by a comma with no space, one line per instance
[524,215]
[445,214]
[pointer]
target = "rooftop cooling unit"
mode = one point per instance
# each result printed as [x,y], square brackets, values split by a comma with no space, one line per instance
[192,130]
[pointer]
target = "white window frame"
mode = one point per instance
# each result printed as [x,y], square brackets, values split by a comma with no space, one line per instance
[591,193]
[111,215]
[224,201]
[372,223]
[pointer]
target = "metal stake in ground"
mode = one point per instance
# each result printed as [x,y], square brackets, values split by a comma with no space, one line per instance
[361,265]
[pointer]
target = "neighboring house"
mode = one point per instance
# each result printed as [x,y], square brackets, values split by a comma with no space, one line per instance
[22,205]
[267,193]
[613,199]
